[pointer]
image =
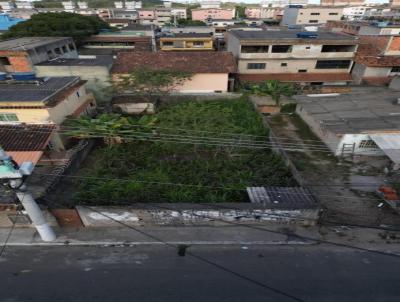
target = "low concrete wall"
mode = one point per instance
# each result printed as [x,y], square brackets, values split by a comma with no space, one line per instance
[173,214]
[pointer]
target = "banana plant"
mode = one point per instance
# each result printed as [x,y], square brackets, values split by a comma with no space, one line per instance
[273,88]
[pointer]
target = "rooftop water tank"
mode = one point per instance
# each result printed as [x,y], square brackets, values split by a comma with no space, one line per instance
[24,76]
[307,35]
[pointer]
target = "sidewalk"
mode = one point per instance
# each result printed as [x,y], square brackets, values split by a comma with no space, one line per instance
[244,235]
[158,235]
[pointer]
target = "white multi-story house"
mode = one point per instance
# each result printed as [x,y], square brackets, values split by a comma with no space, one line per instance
[290,56]
[354,12]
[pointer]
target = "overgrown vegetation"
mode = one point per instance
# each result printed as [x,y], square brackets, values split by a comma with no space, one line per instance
[157,171]
[151,84]
[187,22]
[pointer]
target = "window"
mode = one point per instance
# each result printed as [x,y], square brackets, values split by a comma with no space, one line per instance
[281,48]
[64,49]
[333,64]
[395,69]
[4,61]
[8,117]
[302,70]
[50,54]
[78,94]
[283,64]
[71,46]
[254,49]
[168,43]
[314,14]
[367,144]
[312,21]
[198,43]
[333,14]
[338,48]
[308,47]
[57,50]
[256,65]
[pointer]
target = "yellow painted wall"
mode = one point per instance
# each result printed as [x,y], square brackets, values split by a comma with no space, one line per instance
[187,44]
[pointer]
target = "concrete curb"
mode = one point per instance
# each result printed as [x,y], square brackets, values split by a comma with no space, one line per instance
[137,243]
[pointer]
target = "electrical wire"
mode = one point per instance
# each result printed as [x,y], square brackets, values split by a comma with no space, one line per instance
[192,185]
[202,259]
[393,255]
[145,136]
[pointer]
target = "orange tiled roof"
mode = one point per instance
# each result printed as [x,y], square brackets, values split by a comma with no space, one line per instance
[24,137]
[192,62]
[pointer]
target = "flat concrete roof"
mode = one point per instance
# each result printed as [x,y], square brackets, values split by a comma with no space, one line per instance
[105,60]
[31,91]
[288,35]
[29,42]
[363,110]
[187,35]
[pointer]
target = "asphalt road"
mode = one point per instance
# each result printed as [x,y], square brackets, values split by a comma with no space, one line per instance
[214,273]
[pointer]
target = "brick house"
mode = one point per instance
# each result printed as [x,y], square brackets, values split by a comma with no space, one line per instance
[20,55]
[377,60]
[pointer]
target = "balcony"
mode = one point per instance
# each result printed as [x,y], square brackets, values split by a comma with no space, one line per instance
[296,51]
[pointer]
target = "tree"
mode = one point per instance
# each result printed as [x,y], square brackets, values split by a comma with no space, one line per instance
[189,10]
[274,89]
[186,22]
[240,11]
[47,4]
[59,25]
[151,84]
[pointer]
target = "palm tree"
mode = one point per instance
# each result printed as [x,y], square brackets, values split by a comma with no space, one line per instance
[274,89]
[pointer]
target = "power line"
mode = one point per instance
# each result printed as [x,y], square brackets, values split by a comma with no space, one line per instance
[172,138]
[248,226]
[190,185]
[296,235]
[253,212]
[203,259]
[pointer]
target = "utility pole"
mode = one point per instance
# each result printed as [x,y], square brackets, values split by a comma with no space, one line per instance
[14,176]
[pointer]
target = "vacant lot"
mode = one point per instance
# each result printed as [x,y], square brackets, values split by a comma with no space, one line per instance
[167,171]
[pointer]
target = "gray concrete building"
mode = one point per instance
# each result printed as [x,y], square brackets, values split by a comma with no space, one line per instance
[364,121]
[96,71]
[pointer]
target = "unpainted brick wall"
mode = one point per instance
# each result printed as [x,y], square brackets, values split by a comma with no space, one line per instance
[395,44]
[20,64]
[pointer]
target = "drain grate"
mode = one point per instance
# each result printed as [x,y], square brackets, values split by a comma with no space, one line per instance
[19,219]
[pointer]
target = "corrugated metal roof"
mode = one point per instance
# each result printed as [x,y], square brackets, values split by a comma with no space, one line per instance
[389,144]
[283,197]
